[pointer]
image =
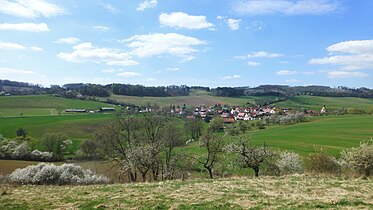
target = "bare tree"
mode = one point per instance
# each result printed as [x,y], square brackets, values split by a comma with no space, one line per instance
[213,146]
[171,139]
[117,139]
[89,148]
[151,124]
[194,127]
[250,156]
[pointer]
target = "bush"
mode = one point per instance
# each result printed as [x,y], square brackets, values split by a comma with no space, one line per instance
[360,159]
[46,174]
[322,163]
[289,163]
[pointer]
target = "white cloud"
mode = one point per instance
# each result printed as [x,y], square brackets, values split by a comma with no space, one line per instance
[102,28]
[30,27]
[11,71]
[108,70]
[147,4]
[234,24]
[172,69]
[256,25]
[36,48]
[345,74]
[157,44]
[349,55]
[30,8]
[110,8]
[285,7]
[68,40]
[128,74]
[252,63]
[183,20]
[86,52]
[11,46]
[15,46]
[286,72]
[236,76]
[259,54]
[292,81]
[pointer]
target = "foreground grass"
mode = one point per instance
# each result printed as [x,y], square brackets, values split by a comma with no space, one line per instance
[292,192]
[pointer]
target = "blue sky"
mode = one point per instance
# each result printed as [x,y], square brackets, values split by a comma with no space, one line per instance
[207,42]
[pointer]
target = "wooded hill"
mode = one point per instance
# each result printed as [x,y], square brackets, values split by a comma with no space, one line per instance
[96,90]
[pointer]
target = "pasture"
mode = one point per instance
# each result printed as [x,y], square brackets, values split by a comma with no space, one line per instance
[74,126]
[42,105]
[331,103]
[288,192]
[332,133]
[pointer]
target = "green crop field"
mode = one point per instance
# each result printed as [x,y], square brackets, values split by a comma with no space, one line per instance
[42,105]
[288,192]
[332,103]
[191,100]
[74,126]
[332,133]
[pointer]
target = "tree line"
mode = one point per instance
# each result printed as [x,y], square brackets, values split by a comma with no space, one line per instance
[96,90]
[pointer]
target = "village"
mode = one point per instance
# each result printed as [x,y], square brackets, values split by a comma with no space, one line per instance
[236,113]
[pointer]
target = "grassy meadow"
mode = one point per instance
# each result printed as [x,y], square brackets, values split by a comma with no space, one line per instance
[331,103]
[42,105]
[74,126]
[332,133]
[288,192]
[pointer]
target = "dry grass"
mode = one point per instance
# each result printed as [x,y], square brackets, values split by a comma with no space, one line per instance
[299,192]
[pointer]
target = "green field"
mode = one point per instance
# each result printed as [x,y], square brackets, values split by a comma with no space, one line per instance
[193,100]
[74,126]
[289,192]
[331,103]
[332,133]
[42,105]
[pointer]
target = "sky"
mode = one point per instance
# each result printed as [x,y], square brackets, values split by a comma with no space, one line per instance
[196,43]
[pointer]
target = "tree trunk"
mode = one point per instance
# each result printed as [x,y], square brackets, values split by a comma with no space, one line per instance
[256,170]
[131,176]
[143,175]
[210,173]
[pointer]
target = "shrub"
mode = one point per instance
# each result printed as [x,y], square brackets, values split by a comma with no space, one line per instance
[322,163]
[289,163]
[21,151]
[360,159]
[41,156]
[45,174]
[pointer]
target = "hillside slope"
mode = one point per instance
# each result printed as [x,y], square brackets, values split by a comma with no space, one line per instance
[292,192]
[42,105]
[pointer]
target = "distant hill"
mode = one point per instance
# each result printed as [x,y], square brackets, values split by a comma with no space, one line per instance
[95,90]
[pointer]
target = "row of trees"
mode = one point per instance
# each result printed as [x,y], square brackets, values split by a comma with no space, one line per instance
[151,145]
[287,91]
[97,90]
[23,147]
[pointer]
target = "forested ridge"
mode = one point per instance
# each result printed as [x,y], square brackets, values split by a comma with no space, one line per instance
[80,89]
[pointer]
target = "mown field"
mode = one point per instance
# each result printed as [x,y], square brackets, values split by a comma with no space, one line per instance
[331,103]
[74,126]
[192,100]
[332,133]
[289,192]
[42,105]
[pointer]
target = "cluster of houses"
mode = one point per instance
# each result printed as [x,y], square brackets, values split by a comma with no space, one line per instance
[102,109]
[235,113]
[230,115]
